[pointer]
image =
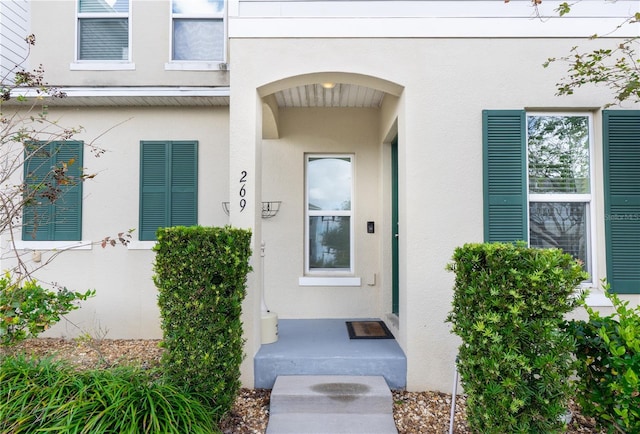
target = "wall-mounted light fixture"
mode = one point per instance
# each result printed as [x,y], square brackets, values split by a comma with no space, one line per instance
[269,209]
[328,85]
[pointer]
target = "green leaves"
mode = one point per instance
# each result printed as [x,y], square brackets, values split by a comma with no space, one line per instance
[46,396]
[608,365]
[27,309]
[201,273]
[614,68]
[563,9]
[508,307]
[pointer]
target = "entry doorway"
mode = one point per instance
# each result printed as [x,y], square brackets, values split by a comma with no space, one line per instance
[395,241]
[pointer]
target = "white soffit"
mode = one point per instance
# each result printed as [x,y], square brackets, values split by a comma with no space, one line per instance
[342,95]
[134,96]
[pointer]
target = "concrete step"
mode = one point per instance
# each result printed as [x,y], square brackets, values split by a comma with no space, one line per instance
[323,347]
[331,404]
[330,394]
[316,423]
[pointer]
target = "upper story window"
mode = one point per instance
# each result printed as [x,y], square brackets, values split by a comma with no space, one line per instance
[103,30]
[329,214]
[198,30]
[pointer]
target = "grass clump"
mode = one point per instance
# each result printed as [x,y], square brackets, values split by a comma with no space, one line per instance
[50,396]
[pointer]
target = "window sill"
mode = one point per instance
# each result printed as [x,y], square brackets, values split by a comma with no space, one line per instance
[141,245]
[329,281]
[102,66]
[53,245]
[597,299]
[195,66]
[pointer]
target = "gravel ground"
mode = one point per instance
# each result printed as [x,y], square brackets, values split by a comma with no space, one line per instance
[414,412]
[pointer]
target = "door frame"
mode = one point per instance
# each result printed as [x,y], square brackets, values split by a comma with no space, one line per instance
[395,242]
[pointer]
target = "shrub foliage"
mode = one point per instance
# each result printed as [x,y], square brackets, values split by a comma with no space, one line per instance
[608,366]
[514,361]
[47,396]
[27,309]
[201,273]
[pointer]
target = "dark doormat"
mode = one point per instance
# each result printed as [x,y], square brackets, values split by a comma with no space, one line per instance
[368,330]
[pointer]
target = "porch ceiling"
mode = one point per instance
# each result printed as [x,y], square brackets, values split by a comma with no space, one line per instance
[341,95]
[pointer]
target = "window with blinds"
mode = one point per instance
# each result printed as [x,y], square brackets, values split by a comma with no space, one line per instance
[103,30]
[559,180]
[198,30]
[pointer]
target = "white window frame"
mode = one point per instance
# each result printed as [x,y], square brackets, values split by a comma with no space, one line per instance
[197,65]
[589,198]
[106,64]
[329,272]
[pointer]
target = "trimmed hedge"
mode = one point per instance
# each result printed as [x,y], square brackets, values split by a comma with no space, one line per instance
[514,362]
[201,274]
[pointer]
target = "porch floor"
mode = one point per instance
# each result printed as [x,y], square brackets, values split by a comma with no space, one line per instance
[323,347]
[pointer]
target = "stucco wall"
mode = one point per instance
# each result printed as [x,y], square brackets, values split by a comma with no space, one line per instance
[447,83]
[125,305]
[150,24]
[321,131]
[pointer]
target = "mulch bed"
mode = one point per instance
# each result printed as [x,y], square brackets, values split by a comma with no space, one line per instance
[414,412]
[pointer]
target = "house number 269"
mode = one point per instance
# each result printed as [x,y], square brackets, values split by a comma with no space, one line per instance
[243,190]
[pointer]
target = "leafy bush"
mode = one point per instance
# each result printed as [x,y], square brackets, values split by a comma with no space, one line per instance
[608,366]
[27,309]
[47,396]
[514,361]
[201,277]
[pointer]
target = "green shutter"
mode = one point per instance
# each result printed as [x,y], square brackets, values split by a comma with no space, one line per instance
[622,199]
[505,188]
[184,183]
[60,220]
[154,189]
[67,216]
[168,186]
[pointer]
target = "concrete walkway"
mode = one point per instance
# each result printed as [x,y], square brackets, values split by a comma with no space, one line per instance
[331,404]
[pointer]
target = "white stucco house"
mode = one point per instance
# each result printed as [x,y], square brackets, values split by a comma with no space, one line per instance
[385,133]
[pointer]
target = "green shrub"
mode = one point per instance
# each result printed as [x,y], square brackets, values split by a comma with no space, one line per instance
[514,361]
[608,366]
[47,396]
[201,278]
[27,309]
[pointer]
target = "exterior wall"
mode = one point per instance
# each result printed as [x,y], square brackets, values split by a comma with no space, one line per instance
[441,63]
[317,131]
[150,48]
[447,83]
[14,28]
[126,301]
